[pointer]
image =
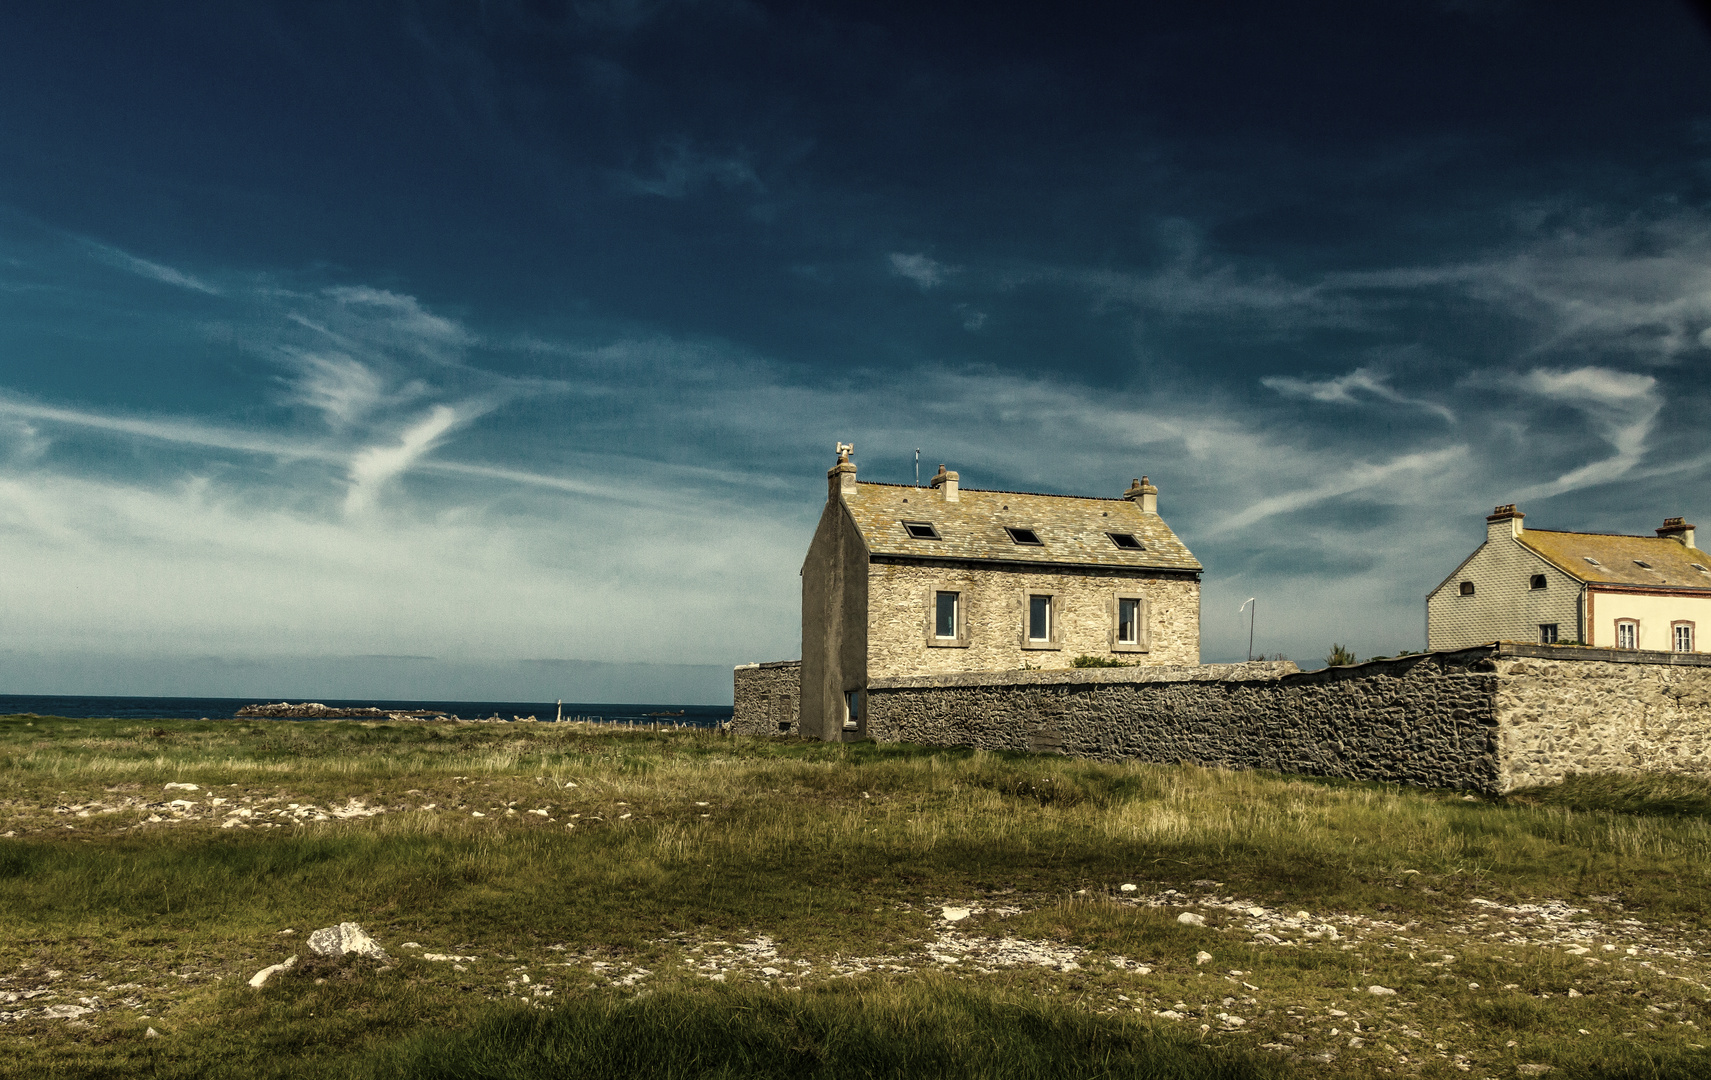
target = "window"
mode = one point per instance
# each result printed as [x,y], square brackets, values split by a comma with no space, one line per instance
[1537,581]
[1682,636]
[1547,633]
[1467,588]
[945,620]
[920,530]
[1128,621]
[852,709]
[1024,536]
[1627,634]
[1039,618]
[1127,541]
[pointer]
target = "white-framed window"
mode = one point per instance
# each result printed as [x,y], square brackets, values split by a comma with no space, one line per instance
[1039,618]
[947,614]
[1627,634]
[852,709]
[1681,636]
[1547,633]
[1128,620]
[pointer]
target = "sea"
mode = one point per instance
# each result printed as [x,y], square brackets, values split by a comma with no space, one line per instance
[188,708]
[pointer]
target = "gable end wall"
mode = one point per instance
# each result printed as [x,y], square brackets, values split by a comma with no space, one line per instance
[1503,606]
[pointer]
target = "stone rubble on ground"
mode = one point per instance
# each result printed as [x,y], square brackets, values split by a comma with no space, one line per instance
[259,979]
[344,939]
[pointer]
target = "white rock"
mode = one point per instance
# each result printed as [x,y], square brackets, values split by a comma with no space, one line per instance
[1257,912]
[956,914]
[1302,915]
[182,787]
[151,1033]
[1532,1070]
[1126,887]
[1201,958]
[1573,993]
[347,937]
[1189,918]
[1380,990]
[65,1012]
[259,979]
[770,971]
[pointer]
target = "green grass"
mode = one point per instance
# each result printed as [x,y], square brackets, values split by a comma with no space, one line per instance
[834,861]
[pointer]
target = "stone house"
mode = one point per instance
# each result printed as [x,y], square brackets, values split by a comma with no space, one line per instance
[909,581]
[1548,587]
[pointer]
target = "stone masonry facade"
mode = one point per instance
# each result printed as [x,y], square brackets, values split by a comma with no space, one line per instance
[1490,719]
[767,698]
[900,606]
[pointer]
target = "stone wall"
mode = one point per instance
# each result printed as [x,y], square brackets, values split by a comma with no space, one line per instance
[767,698]
[900,598]
[1491,718]
[1601,710]
[1421,720]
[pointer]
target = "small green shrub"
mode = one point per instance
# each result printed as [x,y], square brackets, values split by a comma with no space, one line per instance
[1340,656]
[1085,660]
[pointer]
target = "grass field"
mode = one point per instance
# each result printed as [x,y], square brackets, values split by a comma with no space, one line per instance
[564,900]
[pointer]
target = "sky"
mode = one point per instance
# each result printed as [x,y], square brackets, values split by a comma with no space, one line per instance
[498,351]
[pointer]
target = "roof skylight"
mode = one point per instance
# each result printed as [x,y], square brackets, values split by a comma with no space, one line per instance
[1591,560]
[1643,564]
[1025,536]
[1127,541]
[1699,568]
[920,530]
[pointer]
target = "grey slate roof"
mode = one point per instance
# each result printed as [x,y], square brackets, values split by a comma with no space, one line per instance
[1072,528]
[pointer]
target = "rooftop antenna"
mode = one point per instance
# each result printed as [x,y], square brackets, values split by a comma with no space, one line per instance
[917,466]
[1251,615]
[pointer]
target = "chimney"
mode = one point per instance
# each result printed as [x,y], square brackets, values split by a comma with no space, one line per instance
[1505,521]
[1144,493]
[841,478]
[946,482]
[1678,530]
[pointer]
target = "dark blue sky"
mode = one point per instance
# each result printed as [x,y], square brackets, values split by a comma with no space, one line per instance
[522,332]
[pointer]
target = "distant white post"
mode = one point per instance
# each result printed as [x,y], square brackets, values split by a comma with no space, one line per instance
[1251,616]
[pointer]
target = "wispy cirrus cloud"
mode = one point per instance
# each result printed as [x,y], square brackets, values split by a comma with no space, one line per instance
[680,170]
[1622,406]
[146,268]
[1355,388]
[925,271]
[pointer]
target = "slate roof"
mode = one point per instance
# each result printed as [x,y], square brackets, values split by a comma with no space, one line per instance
[1072,529]
[1672,564]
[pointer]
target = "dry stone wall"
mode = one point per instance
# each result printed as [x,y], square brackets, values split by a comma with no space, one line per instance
[1492,718]
[1647,712]
[1422,720]
[767,698]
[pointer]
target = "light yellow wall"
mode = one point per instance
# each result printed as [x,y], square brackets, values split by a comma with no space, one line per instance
[1655,614]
